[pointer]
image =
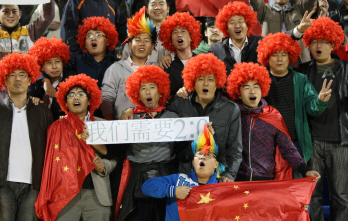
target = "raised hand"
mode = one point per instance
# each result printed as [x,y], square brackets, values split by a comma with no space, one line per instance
[325,92]
[306,21]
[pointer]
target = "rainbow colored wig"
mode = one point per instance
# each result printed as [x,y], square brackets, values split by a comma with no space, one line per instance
[140,24]
[148,74]
[277,42]
[201,65]
[232,9]
[205,143]
[324,28]
[83,81]
[243,73]
[181,20]
[14,61]
[97,23]
[46,48]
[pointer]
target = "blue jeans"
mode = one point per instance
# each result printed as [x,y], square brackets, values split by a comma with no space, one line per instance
[17,202]
[330,158]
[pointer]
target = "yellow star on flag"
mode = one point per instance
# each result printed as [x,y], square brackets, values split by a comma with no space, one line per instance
[237,218]
[57,159]
[246,192]
[245,205]
[78,169]
[66,168]
[205,199]
[78,135]
[56,146]
[236,187]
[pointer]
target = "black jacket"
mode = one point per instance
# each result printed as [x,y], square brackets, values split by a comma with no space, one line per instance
[39,118]
[225,116]
[36,90]
[223,51]
[310,68]
[175,74]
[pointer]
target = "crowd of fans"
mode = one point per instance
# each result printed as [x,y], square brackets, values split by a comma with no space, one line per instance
[276,99]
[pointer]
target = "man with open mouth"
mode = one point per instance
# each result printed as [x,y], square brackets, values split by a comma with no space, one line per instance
[97,37]
[265,136]
[75,182]
[23,142]
[180,34]
[141,40]
[236,21]
[291,93]
[329,130]
[207,165]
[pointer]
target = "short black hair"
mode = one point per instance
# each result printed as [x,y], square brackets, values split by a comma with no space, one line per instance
[209,22]
[147,2]
[77,86]
[19,8]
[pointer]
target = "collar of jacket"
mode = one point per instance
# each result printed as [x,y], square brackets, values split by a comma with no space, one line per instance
[4,29]
[91,59]
[255,110]
[215,105]
[277,8]
[8,102]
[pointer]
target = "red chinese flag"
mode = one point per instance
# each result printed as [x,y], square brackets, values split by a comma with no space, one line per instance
[209,8]
[68,161]
[251,201]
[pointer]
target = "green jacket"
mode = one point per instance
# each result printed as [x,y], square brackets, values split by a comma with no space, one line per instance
[203,47]
[306,101]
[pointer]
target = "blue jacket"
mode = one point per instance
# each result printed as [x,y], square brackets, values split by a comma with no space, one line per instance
[161,187]
[77,10]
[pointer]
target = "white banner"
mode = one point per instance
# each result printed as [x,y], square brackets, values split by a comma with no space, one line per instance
[23,2]
[145,130]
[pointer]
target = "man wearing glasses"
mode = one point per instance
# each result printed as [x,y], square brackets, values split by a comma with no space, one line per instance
[329,130]
[22,147]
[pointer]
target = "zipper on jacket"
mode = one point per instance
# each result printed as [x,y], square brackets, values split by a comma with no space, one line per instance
[251,169]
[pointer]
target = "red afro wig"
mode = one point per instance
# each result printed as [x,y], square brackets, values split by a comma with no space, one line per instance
[232,9]
[243,73]
[83,81]
[46,48]
[183,20]
[15,61]
[101,24]
[148,74]
[324,28]
[277,42]
[201,65]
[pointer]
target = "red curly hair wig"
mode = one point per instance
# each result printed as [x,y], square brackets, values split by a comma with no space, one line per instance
[324,28]
[83,81]
[101,24]
[46,48]
[201,65]
[148,74]
[183,20]
[277,42]
[232,9]
[14,61]
[243,73]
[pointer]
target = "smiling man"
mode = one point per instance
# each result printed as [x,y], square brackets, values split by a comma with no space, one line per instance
[207,169]
[20,38]
[291,93]
[329,130]
[263,128]
[180,34]
[142,39]
[23,142]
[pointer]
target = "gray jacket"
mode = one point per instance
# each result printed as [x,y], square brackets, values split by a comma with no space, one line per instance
[114,97]
[272,18]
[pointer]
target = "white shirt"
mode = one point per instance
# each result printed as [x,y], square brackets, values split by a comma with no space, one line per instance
[20,157]
[237,52]
[133,65]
